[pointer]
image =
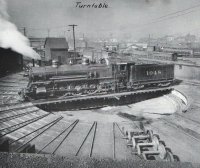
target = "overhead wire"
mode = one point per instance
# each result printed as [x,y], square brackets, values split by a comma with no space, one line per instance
[179,11]
[168,16]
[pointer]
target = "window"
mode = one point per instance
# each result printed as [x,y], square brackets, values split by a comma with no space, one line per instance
[59,59]
[122,67]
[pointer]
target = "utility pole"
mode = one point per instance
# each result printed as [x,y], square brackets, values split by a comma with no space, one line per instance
[73,26]
[48,30]
[24,30]
[149,41]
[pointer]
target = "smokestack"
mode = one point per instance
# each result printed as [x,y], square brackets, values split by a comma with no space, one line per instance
[11,38]
[39,62]
[33,61]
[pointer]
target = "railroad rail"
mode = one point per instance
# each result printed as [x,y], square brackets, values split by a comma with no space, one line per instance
[91,132]
[49,126]
[50,101]
[16,106]
[93,139]
[188,132]
[186,118]
[9,88]
[84,102]
[15,111]
[190,82]
[169,62]
[113,140]
[14,81]
[36,130]
[13,128]
[16,116]
[72,127]
[94,125]
[123,134]
[62,132]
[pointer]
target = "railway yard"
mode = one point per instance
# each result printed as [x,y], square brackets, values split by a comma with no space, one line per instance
[100,133]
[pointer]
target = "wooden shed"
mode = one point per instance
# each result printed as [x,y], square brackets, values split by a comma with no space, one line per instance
[56,48]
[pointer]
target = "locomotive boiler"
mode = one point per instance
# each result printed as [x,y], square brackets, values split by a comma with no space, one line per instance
[93,79]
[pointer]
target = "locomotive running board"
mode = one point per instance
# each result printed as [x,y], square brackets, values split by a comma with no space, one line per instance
[97,101]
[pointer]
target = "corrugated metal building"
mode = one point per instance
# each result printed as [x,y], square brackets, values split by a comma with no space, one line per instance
[56,48]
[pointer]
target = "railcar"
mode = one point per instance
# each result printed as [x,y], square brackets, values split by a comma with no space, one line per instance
[78,80]
[157,55]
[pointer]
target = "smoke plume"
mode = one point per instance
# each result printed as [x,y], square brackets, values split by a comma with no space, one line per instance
[11,38]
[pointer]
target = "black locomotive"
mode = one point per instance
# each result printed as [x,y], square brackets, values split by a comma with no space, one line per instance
[90,79]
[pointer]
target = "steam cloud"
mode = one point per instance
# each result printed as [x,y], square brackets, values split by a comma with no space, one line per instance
[10,37]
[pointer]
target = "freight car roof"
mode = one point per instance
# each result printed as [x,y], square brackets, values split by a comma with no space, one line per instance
[155,65]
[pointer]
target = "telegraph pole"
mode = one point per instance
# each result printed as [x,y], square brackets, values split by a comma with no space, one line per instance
[48,30]
[73,26]
[149,40]
[24,30]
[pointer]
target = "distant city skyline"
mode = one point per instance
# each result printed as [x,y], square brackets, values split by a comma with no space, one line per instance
[127,19]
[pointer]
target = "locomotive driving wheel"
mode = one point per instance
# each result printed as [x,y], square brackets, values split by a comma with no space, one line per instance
[169,156]
[162,150]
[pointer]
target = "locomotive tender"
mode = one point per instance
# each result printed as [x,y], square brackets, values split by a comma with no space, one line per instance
[90,79]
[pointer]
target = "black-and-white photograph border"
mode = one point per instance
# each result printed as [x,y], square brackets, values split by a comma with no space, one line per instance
[99,83]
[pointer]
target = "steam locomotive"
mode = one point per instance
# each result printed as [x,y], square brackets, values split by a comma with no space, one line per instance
[90,79]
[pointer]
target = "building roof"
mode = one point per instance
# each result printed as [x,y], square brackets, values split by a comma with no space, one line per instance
[56,43]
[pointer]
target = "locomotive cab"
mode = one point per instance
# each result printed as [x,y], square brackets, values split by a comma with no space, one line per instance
[122,69]
[123,73]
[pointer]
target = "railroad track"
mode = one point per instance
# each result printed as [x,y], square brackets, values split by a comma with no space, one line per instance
[72,125]
[7,130]
[17,116]
[9,87]
[87,143]
[89,135]
[4,94]
[186,118]
[48,126]
[116,135]
[188,132]
[177,134]
[16,106]
[122,133]
[50,101]
[92,131]
[190,82]
[94,126]
[36,130]
[14,81]
[114,144]
[84,102]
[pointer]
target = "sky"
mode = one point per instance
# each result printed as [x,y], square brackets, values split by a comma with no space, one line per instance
[11,38]
[122,19]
